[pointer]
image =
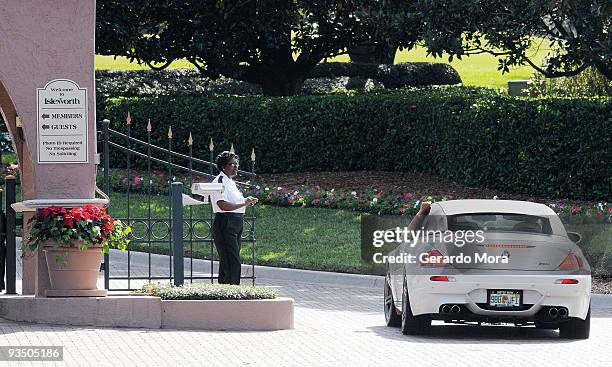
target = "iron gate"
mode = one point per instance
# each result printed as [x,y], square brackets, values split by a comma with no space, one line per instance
[141,197]
[8,236]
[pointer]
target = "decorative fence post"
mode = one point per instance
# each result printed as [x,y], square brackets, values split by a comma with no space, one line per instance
[11,240]
[177,232]
[106,189]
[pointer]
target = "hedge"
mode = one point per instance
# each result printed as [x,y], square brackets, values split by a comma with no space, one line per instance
[325,78]
[395,76]
[551,147]
[206,291]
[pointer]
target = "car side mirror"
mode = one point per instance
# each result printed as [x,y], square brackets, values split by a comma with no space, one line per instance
[575,237]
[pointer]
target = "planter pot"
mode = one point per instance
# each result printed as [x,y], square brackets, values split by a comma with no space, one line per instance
[73,272]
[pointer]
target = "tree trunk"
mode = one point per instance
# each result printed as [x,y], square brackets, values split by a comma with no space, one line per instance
[278,87]
[373,53]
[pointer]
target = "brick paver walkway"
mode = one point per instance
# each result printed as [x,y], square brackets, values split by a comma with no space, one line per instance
[334,326]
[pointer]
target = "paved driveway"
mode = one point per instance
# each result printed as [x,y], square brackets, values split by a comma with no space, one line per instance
[335,325]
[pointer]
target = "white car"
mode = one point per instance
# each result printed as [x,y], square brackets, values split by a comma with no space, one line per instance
[523,269]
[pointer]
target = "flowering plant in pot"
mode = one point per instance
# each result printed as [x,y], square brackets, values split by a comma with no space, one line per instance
[74,241]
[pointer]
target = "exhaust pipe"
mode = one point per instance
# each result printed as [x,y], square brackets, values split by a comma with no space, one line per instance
[446,309]
[563,312]
[553,312]
[455,309]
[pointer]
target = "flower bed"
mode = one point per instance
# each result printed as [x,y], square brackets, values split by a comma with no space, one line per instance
[367,201]
[205,291]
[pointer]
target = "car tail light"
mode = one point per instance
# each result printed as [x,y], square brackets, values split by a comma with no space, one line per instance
[441,278]
[566,281]
[571,262]
[434,259]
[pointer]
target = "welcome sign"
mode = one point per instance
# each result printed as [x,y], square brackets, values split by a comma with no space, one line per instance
[62,123]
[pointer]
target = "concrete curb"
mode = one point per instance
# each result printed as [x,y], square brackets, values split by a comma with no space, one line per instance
[151,312]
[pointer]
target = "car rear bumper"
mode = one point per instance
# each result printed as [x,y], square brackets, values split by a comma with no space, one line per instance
[470,292]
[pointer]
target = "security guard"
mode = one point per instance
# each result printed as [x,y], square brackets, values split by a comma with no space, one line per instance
[229,208]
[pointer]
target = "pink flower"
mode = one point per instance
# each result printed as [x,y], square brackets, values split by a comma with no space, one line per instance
[600,213]
[408,195]
[137,180]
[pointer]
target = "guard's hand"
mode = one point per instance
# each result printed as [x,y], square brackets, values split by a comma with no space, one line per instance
[250,201]
[425,208]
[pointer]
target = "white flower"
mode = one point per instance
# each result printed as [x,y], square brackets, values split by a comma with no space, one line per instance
[295,193]
[495,197]
[332,190]
[267,189]
[600,206]
[354,193]
[374,201]
[279,188]
[257,187]
[552,205]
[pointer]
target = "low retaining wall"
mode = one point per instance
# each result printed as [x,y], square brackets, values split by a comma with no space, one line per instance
[151,312]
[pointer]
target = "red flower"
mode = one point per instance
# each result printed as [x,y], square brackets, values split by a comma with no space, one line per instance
[77,214]
[69,220]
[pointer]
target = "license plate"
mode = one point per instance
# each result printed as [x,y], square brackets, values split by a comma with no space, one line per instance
[505,298]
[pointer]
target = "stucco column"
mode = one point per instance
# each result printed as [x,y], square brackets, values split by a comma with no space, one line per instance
[42,41]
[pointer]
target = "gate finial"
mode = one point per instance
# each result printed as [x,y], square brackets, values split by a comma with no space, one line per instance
[253,155]
[149,128]
[190,140]
[128,119]
[211,146]
[170,132]
[232,149]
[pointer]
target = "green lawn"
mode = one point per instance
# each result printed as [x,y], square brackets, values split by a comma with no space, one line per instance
[308,238]
[478,70]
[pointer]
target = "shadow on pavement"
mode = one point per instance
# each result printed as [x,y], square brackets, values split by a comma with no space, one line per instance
[471,334]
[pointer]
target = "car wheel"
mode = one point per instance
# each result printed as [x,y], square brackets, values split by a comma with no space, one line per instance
[391,316]
[412,325]
[576,328]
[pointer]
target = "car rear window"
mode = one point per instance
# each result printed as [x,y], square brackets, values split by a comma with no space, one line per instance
[499,222]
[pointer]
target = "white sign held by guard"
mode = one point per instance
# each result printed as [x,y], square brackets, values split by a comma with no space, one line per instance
[62,123]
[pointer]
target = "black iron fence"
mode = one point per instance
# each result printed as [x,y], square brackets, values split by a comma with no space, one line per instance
[153,207]
[8,236]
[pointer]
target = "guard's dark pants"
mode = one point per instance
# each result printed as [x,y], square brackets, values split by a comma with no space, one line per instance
[227,228]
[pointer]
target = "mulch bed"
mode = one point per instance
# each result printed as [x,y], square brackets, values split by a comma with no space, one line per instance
[398,182]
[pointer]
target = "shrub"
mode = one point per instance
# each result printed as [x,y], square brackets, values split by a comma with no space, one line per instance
[549,147]
[392,76]
[339,85]
[326,78]
[206,291]
[167,82]
[589,83]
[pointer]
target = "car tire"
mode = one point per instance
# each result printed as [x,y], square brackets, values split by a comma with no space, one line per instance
[392,318]
[412,325]
[576,328]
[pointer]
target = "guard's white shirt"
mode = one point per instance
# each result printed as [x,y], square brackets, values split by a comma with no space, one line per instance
[230,194]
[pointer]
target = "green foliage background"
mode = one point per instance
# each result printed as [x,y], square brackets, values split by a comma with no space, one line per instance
[552,147]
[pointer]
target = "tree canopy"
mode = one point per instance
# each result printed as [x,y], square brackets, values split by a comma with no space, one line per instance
[578,31]
[274,43]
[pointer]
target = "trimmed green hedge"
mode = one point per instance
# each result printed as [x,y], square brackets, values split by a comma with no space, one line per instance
[404,74]
[553,147]
[325,78]
[206,291]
